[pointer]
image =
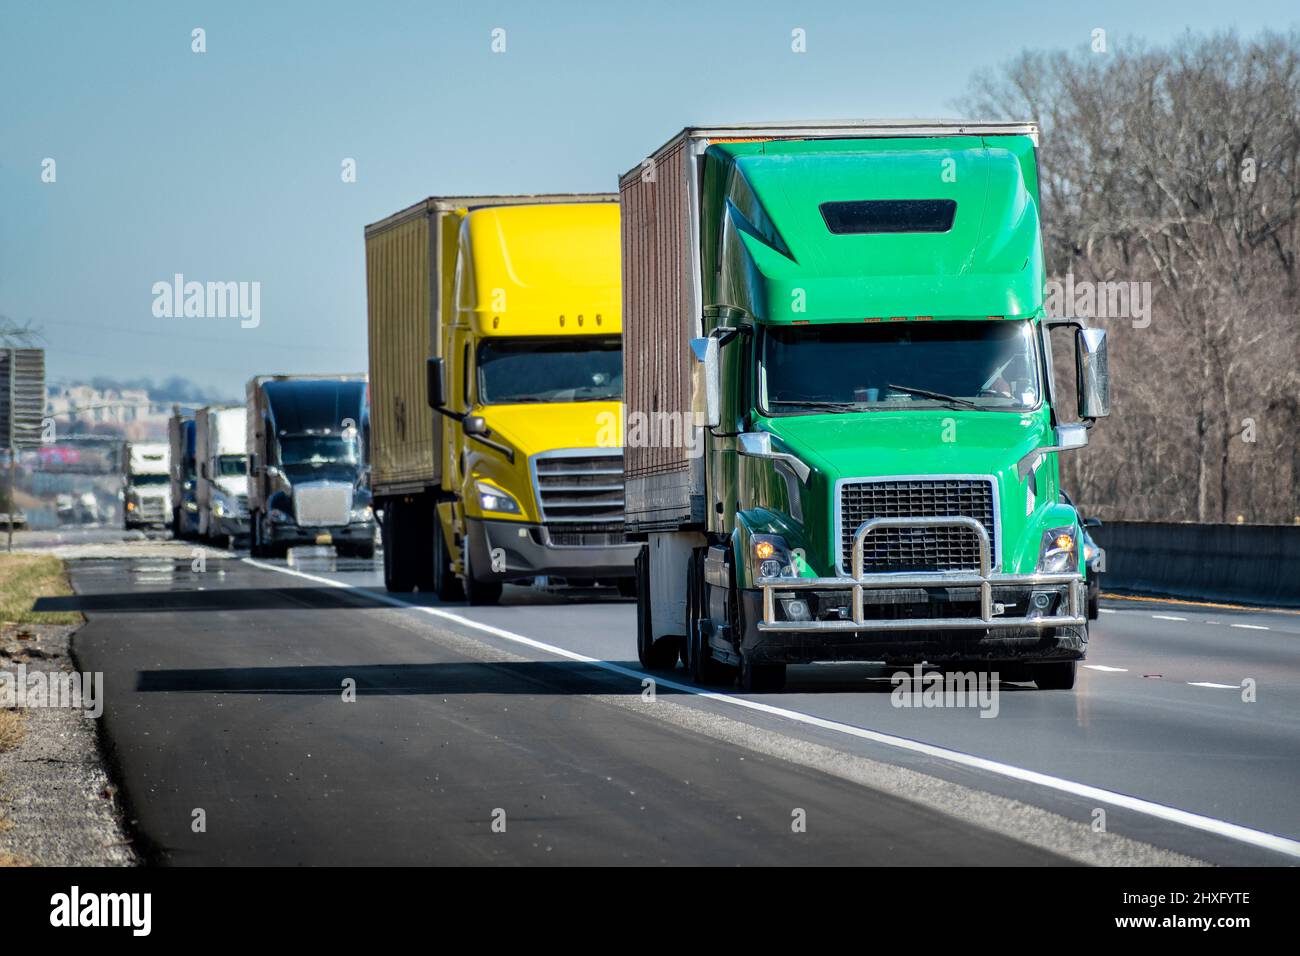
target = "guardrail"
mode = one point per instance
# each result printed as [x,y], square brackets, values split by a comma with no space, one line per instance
[1247,564]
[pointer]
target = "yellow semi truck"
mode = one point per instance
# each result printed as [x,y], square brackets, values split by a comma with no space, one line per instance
[497,393]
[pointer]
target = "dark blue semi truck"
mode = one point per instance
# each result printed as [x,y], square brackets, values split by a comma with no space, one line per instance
[308,477]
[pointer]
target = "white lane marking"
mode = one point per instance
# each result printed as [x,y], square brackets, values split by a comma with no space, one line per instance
[1107,610]
[1207,683]
[1250,627]
[1105,669]
[1167,617]
[1222,828]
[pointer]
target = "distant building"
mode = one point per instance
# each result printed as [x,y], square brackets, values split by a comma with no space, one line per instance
[129,411]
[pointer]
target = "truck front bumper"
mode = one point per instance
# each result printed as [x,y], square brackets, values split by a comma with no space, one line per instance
[292,535]
[528,550]
[228,525]
[913,616]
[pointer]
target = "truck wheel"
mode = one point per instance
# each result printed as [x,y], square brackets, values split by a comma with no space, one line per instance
[399,569]
[478,593]
[703,667]
[660,655]
[760,678]
[626,587]
[1094,607]
[255,546]
[1055,676]
[445,584]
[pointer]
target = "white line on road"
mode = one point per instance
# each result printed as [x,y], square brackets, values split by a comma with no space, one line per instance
[1105,669]
[1108,610]
[1167,617]
[1207,683]
[1251,627]
[1222,828]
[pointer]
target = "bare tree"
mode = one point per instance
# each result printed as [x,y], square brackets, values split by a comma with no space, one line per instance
[1180,166]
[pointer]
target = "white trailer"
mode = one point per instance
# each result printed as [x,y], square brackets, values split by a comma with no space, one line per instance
[221,450]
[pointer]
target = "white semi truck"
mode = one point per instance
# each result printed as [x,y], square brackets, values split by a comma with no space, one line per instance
[220,449]
[146,491]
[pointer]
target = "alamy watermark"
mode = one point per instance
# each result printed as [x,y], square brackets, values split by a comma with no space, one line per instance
[1086,299]
[953,689]
[208,300]
[57,689]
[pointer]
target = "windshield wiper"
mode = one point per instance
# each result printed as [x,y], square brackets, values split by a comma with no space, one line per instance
[828,406]
[937,396]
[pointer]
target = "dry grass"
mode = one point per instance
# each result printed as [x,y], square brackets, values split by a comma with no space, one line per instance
[11,729]
[26,577]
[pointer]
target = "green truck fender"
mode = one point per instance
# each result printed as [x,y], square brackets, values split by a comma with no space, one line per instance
[758,522]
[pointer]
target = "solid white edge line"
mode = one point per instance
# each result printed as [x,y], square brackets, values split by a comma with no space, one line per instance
[1105,669]
[1222,828]
[1208,683]
[1251,627]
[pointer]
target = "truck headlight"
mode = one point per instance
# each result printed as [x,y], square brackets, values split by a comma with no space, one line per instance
[492,498]
[1059,550]
[364,513]
[191,506]
[769,557]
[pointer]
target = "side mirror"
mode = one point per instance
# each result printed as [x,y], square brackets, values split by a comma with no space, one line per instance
[1092,522]
[759,445]
[475,425]
[434,385]
[203,470]
[706,384]
[254,467]
[1092,369]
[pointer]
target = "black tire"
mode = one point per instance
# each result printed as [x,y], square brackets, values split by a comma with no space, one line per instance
[760,678]
[698,659]
[477,593]
[399,566]
[660,655]
[445,584]
[1094,607]
[255,546]
[627,587]
[1056,676]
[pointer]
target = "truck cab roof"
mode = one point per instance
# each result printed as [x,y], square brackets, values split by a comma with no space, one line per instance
[532,270]
[850,229]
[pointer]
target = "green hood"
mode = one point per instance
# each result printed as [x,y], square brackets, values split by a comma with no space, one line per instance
[875,444]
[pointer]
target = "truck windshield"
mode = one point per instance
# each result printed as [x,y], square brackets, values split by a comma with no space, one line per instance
[139,480]
[231,466]
[317,450]
[989,364]
[576,369]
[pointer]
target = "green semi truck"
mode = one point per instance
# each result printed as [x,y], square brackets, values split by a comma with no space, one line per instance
[842,424]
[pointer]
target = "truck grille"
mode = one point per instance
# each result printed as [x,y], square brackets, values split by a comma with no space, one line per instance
[322,504]
[580,487]
[917,549]
[586,536]
[153,509]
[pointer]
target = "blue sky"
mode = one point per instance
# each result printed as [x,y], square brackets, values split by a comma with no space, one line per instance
[225,165]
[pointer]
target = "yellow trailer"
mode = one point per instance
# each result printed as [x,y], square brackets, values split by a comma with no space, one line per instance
[496,393]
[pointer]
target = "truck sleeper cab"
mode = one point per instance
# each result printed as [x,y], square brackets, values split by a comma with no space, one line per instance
[871,370]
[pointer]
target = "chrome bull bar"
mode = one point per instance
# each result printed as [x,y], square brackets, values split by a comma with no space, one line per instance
[1071,613]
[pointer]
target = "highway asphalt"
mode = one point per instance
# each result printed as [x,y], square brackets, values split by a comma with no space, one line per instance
[225,704]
